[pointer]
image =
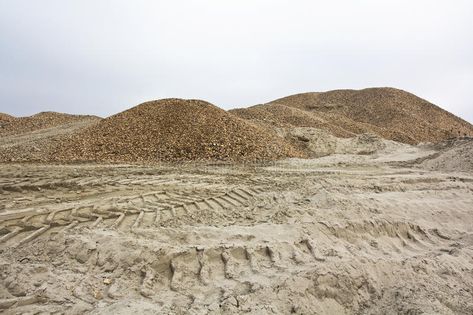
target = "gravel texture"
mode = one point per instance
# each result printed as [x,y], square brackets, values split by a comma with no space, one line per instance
[390,113]
[13,126]
[5,117]
[174,130]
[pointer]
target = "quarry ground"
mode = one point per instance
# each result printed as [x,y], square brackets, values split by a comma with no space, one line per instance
[345,234]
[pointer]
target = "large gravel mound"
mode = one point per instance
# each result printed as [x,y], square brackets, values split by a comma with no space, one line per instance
[174,130]
[390,113]
[282,116]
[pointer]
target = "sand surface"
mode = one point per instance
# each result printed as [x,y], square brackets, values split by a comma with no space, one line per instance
[341,234]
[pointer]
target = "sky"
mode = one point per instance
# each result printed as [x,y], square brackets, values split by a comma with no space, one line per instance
[102,57]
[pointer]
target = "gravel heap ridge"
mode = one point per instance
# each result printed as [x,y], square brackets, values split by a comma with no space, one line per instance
[174,130]
[282,116]
[5,117]
[389,113]
[14,126]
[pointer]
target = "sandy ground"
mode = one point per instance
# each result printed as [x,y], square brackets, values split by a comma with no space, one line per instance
[342,234]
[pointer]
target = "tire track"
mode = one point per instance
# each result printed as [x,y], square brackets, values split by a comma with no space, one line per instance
[151,209]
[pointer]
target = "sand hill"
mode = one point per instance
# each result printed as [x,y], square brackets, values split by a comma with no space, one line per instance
[43,120]
[174,130]
[390,113]
[454,155]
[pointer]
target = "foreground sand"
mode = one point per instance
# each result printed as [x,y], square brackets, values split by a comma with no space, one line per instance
[337,235]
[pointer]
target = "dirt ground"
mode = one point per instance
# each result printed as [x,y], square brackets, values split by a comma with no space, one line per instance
[342,234]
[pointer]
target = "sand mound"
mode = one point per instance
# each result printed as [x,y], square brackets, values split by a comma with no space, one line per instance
[454,155]
[39,121]
[317,142]
[390,113]
[174,130]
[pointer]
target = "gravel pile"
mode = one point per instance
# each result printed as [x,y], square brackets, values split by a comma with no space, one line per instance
[38,145]
[174,130]
[389,113]
[282,116]
[44,120]
[5,117]
[4,120]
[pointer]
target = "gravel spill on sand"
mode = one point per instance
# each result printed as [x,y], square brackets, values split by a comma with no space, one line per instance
[174,130]
[317,142]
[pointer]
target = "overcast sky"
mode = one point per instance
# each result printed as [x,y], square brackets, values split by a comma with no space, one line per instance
[101,57]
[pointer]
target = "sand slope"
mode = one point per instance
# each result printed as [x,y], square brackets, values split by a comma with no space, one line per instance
[453,155]
[299,236]
[318,142]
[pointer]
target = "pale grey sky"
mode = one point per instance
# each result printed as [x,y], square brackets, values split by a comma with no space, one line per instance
[103,56]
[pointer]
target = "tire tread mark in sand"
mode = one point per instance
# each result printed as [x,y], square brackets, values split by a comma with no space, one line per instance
[223,201]
[412,237]
[138,220]
[10,234]
[311,246]
[33,235]
[110,208]
[204,265]
[204,268]
[118,221]
[20,301]
[227,260]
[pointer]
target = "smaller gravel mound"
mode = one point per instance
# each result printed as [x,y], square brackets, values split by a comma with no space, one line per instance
[43,120]
[174,130]
[5,117]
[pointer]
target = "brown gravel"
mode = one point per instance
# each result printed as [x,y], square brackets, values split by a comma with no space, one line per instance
[43,120]
[38,145]
[282,116]
[174,130]
[5,117]
[390,113]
